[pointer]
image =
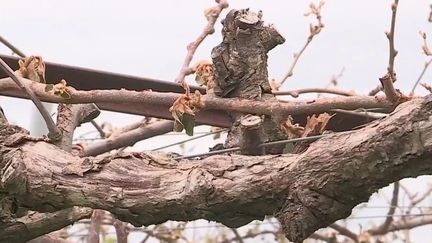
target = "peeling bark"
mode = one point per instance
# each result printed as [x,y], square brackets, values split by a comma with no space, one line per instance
[305,192]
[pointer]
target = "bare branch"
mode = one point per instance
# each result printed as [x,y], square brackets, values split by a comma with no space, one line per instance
[128,138]
[36,224]
[238,237]
[388,80]
[296,93]
[314,30]
[392,51]
[212,14]
[99,129]
[383,228]
[146,188]
[69,116]
[95,226]
[209,103]
[425,67]
[54,133]
[12,47]
[427,87]
[122,231]
[344,231]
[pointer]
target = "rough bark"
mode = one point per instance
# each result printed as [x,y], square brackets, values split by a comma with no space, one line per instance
[240,66]
[36,224]
[305,192]
[70,116]
[162,99]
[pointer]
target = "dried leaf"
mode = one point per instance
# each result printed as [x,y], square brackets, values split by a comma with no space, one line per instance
[32,68]
[316,125]
[291,129]
[61,89]
[183,111]
[188,123]
[204,74]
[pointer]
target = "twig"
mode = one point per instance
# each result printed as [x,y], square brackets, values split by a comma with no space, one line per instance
[344,231]
[334,80]
[3,119]
[122,231]
[316,236]
[212,15]
[95,226]
[296,93]
[392,51]
[427,86]
[388,80]
[427,52]
[53,132]
[383,228]
[314,30]
[425,67]
[98,128]
[416,201]
[250,235]
[238,237]
[12,47]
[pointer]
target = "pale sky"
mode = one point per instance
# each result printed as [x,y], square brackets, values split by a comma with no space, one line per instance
[149,38]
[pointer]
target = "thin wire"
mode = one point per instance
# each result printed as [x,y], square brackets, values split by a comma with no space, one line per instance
[259,146]
[189,139]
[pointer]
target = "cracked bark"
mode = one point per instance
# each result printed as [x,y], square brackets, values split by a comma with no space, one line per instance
[240,64]
[305,192]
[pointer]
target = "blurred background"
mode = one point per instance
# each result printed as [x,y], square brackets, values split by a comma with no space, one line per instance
[149,39]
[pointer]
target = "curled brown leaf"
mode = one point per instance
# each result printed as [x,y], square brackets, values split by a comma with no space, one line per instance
[32,68]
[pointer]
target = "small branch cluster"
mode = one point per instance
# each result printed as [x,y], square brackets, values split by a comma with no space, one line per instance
[314,30]
[428,53]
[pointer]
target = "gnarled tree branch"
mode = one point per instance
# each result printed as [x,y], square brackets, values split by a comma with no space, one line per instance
[305,192]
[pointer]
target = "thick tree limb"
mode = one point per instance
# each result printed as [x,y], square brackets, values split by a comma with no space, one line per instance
[212,103]
[37,224]
[306,191]
[128,138]
[54,133]
[69,117]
